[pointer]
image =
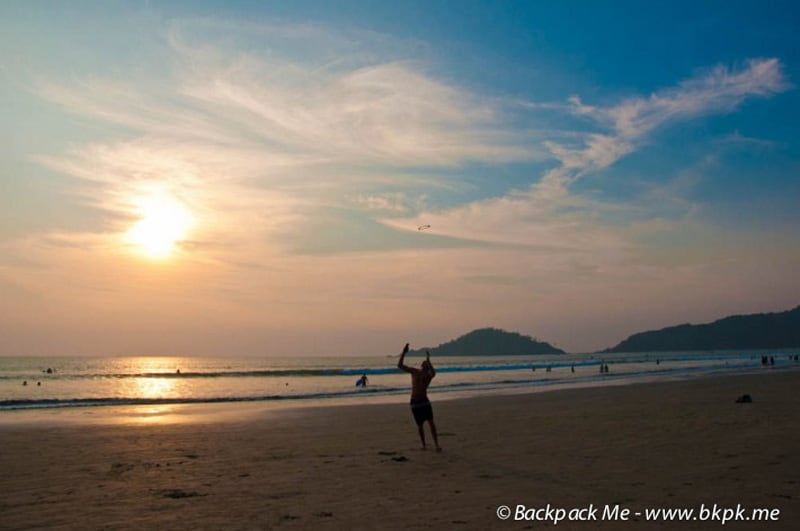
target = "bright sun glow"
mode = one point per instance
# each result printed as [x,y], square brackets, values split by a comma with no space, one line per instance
[164,222]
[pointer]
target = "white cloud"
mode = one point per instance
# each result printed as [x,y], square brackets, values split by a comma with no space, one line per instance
[719,90]
[548,214]
[393,202]
[388,113]
[716,91]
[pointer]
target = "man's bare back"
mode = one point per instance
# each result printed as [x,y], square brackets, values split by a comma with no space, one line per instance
[420,380]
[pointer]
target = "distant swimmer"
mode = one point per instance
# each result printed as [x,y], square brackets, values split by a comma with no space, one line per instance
[423,227]
[362,382]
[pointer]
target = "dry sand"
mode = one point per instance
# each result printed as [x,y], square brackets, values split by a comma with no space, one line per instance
[672,444]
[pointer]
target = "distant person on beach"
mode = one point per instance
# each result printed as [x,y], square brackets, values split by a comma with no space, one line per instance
[420,405]
[362,382]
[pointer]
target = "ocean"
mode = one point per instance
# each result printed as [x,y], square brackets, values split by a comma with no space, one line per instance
[39,383]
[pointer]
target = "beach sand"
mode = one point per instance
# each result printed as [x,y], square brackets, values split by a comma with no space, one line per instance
[672,444]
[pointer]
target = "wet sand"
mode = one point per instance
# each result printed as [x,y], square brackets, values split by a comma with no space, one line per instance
[671,444]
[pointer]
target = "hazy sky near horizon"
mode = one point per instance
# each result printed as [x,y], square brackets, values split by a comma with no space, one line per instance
[249,178]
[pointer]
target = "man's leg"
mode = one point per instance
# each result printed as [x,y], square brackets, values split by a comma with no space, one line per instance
[435,437]
[422,434]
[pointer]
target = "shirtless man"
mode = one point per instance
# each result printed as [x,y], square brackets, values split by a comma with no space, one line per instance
[420,405]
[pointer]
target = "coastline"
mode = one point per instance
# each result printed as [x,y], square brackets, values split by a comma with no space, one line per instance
[665,444]
[188,409]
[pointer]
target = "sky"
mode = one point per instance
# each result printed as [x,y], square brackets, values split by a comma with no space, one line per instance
[339,178]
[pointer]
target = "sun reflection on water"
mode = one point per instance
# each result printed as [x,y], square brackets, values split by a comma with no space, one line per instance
[155,387]
[151,384]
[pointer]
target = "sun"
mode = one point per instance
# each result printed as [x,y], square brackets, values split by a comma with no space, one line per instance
[163,223]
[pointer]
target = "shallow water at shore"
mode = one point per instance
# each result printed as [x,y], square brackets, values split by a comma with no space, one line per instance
[168,382]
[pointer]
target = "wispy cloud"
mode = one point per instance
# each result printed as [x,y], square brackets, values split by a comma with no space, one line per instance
[718,90]
[548,213]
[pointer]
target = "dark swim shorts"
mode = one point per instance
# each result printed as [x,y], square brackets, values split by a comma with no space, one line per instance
[422,411]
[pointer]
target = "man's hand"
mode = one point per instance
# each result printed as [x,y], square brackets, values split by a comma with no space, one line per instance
[430,365]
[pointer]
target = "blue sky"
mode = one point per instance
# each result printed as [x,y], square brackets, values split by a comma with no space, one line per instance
[249,177]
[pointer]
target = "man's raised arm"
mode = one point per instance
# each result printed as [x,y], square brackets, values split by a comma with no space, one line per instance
[400,364]
[428,357]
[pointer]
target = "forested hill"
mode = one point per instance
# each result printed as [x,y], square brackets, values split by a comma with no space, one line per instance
[491,342]
[756,331]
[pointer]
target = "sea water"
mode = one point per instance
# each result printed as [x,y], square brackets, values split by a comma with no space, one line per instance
[38,383]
